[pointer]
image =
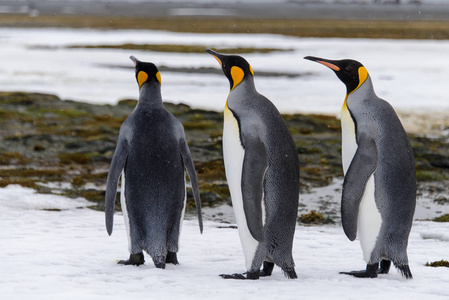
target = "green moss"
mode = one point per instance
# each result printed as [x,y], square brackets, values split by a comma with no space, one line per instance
[25,182]
[131,103]
[77,158]
[11,158]
[424,175]
[78,181]
[314,218]
[443,218]
[440,263]
[199,125]
[211,170]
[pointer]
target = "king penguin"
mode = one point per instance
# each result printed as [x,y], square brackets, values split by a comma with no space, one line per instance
[379,187]
[262,170]
[151,156]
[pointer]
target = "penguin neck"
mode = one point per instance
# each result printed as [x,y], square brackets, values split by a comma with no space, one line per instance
[150,96]
[247,84]
[246,87]
[364,91]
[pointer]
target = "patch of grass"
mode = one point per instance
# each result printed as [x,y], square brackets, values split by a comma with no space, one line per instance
[78,181]
[77,158]
[301,28]
[32,173]
[212,170]
[179,48]
[25,182]
[11,158]
[314,218]
[201,125]
[443,218]
[440,263]
[424,175]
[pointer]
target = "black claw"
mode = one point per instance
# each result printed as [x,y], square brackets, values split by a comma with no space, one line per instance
[134,259]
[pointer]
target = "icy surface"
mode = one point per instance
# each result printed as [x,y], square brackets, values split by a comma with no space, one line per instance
[410,74]
[67,254]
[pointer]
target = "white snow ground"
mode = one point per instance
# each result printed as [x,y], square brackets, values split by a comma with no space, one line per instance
[67,254]
[412,75]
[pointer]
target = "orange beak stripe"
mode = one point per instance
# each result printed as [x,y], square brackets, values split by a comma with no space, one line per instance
[329,65]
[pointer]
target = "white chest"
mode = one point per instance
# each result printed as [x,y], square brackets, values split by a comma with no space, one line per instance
[348,139]
[369,218]
[233,155]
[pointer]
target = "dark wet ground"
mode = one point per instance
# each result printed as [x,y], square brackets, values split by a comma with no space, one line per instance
[245,10]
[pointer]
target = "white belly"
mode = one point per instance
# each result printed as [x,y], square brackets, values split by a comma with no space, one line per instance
[183,209]
[125,211]
[369,218]
[233,154]
[369,221]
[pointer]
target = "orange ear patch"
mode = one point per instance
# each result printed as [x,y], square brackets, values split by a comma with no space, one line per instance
[237,76]
[142,78]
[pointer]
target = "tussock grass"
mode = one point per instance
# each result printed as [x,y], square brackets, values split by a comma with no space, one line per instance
[301,28]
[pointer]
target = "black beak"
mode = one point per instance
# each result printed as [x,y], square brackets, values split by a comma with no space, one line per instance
[135,60]
[332,64]
[217,55]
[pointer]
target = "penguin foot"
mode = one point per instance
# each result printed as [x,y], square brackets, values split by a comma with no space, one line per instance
[384,267]
[267,269]
[405,271]
[171,258]
[134,259]
[249,275]
[370,272]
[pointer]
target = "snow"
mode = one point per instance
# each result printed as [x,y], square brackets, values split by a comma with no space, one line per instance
[53,247]
[67,254]
[410,74]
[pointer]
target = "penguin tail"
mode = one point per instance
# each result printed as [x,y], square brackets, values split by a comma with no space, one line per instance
[405,271]
[290,273]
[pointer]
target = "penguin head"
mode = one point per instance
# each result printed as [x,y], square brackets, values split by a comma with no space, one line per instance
[146,72]
[235,67]
[352,73]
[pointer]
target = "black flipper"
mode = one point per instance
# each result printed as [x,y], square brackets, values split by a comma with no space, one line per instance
[134,259]
[370,272]
[255,164]
[116,168]
[362,166]
[188,164]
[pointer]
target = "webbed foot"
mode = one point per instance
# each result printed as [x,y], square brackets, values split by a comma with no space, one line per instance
[370,272]
[134,259]
[249,275]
